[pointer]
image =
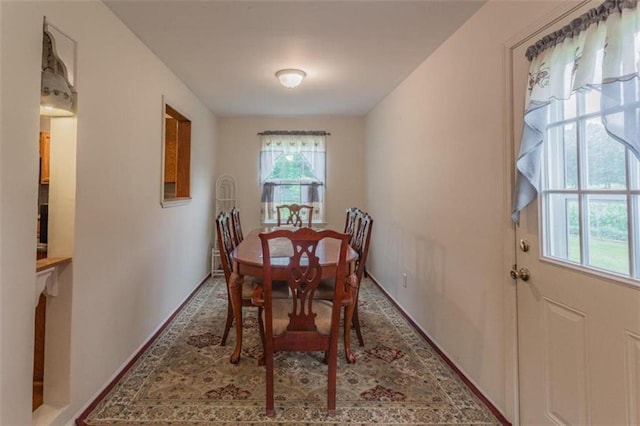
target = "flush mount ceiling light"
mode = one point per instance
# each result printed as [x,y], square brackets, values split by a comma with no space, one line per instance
[290,78]
[57,97]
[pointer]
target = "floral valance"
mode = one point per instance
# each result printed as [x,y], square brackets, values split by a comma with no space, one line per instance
[598,51]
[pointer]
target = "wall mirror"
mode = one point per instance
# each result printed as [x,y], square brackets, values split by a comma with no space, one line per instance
[176,157]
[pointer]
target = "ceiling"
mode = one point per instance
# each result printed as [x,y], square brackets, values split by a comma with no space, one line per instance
[354,52]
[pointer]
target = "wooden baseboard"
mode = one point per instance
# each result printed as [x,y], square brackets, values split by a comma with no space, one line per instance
[80,421]
[444,357]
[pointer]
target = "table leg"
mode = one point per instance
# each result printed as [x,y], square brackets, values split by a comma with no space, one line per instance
[235,288]
[348,318]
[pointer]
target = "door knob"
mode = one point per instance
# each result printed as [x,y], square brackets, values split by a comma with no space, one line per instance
[521,273]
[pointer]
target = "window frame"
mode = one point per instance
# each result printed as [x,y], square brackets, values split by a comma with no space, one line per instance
[630,196]
[319,217]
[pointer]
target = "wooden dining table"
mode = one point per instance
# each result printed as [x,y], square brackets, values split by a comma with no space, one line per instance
[247,260]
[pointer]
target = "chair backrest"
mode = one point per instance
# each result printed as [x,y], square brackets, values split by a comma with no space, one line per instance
[303,275]
[292,214]
[225,243]
[360,242]
[237,227]
[351,222]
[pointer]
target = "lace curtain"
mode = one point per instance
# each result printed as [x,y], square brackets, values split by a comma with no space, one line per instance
[600,50]
[278,147]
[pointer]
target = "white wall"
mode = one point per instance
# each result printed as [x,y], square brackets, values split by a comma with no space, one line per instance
[238,154]
[133,261]
[436,179]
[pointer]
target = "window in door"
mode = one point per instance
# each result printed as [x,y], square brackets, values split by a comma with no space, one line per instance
[591,191]
[292,171]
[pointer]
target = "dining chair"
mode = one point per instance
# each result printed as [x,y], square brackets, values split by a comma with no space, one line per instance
[360,244]
[226,245]
[237,227]
[302,323]
[295,214]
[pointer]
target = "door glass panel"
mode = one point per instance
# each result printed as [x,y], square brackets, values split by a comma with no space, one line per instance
[569,107]
[562,157]
[592,101]
[634,172]
[563,227]
[608,237]
[605,158]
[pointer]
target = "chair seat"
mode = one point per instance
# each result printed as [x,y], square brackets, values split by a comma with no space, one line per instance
[248,284]
[282,307]
[280,288]
[325,290]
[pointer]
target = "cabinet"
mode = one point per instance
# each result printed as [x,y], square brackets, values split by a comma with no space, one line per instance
[44,157]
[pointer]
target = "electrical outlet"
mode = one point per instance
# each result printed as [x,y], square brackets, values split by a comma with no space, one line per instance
[404,279]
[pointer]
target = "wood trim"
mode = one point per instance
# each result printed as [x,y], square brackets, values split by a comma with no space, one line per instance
[50,262]
[176,155]
[445,358]
[183,159]
[45,141]
[80,421]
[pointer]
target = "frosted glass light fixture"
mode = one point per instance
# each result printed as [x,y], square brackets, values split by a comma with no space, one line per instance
[290,78]
[57,97]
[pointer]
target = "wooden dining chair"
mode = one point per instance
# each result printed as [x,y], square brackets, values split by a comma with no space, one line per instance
[302,323]
[226,245]
[293,214]
[360,244]
[247,284]
[237,227]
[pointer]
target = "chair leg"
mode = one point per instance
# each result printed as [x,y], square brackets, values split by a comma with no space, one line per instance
[261,360]
[235,289]
[356,319]
[348,319]
[227,325]
[356,325]
[331,380]
[269,400]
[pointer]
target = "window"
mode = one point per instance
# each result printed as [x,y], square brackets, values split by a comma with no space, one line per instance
[292,170]
[176,149]
[591,190]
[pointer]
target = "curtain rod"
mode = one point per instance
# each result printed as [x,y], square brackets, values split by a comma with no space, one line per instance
[295,132]
[581,23]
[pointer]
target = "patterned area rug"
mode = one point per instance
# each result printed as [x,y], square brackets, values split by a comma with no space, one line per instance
[185,377]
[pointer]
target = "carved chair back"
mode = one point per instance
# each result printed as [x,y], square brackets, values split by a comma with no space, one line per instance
[360,242]
[237,227]
[225,243]
[293,214]
[351,222]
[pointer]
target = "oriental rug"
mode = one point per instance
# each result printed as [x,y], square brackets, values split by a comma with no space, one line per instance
[184,376]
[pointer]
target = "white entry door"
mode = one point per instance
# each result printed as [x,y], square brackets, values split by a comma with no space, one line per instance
[578,329]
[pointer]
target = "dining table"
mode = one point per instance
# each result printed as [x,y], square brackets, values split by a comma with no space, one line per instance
[247,260]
